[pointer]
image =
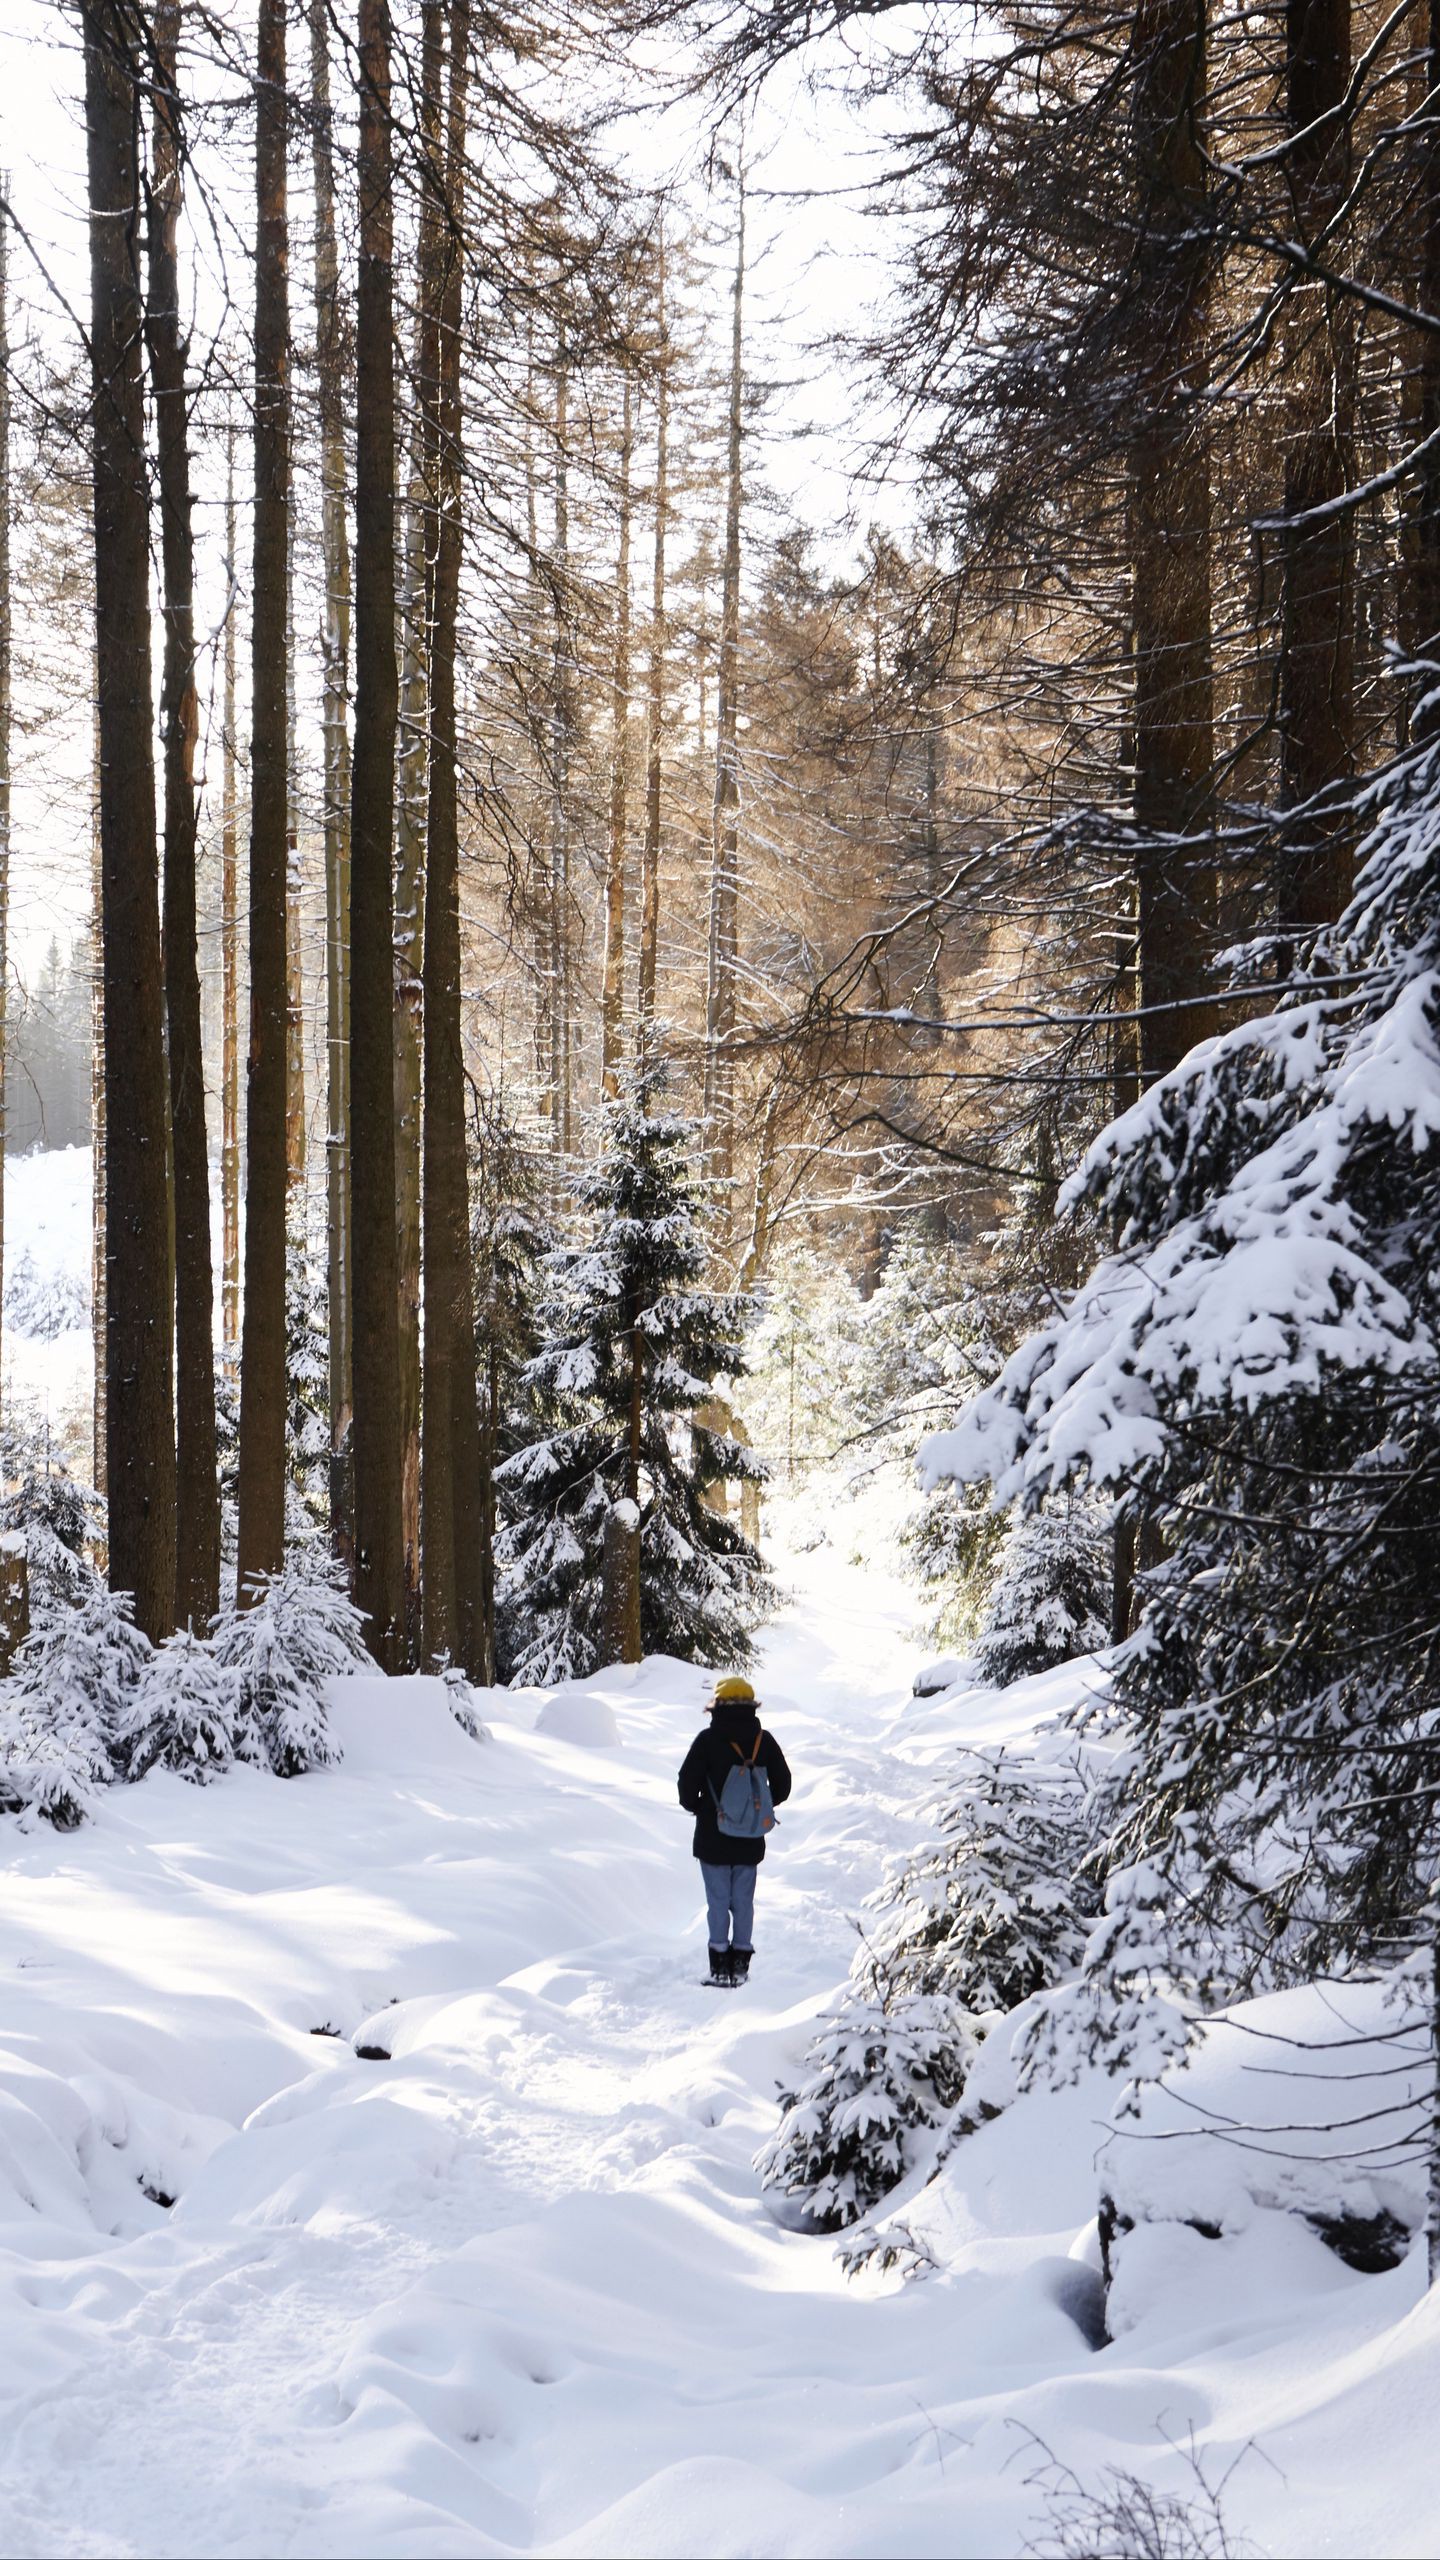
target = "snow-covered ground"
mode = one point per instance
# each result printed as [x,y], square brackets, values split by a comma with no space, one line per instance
[514,2288]
[376,2175]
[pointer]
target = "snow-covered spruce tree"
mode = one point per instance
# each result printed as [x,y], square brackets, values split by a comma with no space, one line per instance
[300,1629]
[634,1348]
[998,1903]
[509,1241]
[58,1521]
[182,1712]
[881,2073]
[65,1709]
[1257,1364]
[1050,1597]
[307,1381]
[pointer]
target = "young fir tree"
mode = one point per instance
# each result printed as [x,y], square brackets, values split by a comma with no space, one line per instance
[508,1244]
[65,1711]
[997,1905]
[634,1348]
[307,1373]
[182,1712]
[882,2074]
[299,1630]
[1051,1594]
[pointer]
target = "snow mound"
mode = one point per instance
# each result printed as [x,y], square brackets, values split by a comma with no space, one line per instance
[575,1716]
[1309,2106]
[933,1677]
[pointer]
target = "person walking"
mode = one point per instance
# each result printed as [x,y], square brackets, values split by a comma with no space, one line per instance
[732,1820]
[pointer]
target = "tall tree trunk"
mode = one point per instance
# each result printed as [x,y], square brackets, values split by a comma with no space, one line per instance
[410,899]
[99,1328]
[1421,546]
[562,726]
[725,828]
[197,1508]
[294,955]
[6,626]
[459,1614]
[375,1278]
[230,949]
[613,993]
[263,1354]
[1317,663]
[649,957]
[1169,531]
[139,1339]
[335,647]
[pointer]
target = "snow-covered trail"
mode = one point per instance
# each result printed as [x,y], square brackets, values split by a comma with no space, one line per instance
[512,2288]
[357,2326]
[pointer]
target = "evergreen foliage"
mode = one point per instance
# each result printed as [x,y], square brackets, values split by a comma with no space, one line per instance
[634,1347]
[58,1519]
[182,1712]
[882,2073]
[1051,1594]
[1257,1364]
[299,1630]
[65,1711]
[307,1377]
[997,1904]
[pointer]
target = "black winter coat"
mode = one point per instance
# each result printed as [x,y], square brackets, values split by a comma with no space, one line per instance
[707,1764]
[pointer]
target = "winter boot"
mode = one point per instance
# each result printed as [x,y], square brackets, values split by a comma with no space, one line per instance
[740,1966]
[721,1977]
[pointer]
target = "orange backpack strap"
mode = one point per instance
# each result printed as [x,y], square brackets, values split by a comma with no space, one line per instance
[740,1756]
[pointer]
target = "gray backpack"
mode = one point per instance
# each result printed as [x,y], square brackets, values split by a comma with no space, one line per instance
[745,1808]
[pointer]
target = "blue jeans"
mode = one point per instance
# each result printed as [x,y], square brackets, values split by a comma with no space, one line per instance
[730,1896]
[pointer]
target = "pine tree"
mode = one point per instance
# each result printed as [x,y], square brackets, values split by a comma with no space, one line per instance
[508,1243]
[883,2072]
[307,1373]
[996,1906]
[182,1712]
[298,1631]
[65,1709]
[635,1347]
[1051,1594]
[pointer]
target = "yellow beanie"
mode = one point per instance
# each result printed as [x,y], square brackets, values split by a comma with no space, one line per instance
[731,1692]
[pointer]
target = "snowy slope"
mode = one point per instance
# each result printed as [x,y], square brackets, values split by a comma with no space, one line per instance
[514,2289]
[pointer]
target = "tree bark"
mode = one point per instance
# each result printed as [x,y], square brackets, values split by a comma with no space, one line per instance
[295,1148]
[649,956]
[459,1616]
[1169,532]
[263,1354]
[1421,546]
[229,951]
[139,1339]
[375,1281]
[1317,663]
[6,629]
[725,827]
[612,1003]
[562,724]
[197,1508]
[99,1329]
[410,835]
[330,351]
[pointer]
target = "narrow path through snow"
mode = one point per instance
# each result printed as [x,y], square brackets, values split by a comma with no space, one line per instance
[294,2355]
[513,2288]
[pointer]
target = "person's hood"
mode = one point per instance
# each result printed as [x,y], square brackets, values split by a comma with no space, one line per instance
[736,1720]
